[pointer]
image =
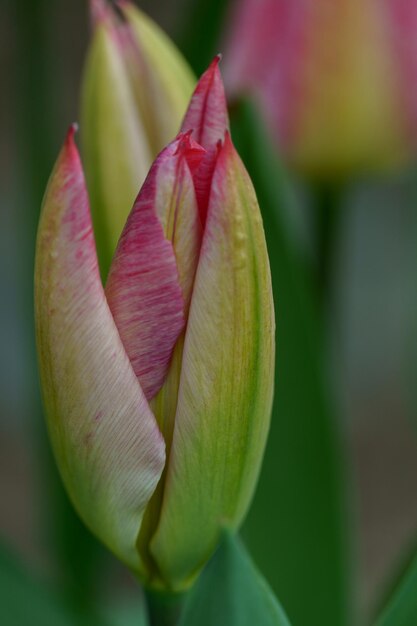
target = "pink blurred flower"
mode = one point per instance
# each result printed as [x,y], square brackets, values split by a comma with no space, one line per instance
[336,80]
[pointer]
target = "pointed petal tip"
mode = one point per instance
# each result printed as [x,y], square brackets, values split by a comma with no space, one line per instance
[99,11]
[70,149]
[213,68]
[72,130]
[227,140]
[207,111]
[106,11]
[187,145]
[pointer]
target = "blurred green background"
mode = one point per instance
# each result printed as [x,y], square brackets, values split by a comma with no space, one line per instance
[369,343]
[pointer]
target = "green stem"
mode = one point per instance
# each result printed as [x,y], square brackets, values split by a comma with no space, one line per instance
[327,219]
[201,32]
[164,608]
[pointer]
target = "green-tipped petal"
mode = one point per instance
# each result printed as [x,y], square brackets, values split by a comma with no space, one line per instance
[116,151]
[106,442]
[226,383]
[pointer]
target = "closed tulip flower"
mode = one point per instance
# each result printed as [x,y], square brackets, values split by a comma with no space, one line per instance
[135,92]
[158,386]
[335,80]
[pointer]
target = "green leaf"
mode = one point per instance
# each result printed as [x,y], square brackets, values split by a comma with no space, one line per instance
[401,609]
[296,529]
[25,601]
[231,591]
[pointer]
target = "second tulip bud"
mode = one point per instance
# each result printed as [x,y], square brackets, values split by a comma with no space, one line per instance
[136,88]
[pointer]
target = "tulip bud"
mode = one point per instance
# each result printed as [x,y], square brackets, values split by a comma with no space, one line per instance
[158,388]
[334,80]
[135,91]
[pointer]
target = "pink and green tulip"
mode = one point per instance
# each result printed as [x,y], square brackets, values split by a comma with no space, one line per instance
[335,80]
[135,92]
[158,386]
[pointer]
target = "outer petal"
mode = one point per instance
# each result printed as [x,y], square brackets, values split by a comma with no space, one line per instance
[105,438]
[226,381]
[115,146]
[148,284]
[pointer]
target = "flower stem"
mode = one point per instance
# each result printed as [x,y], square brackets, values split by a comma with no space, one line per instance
[327,218]
[164,608]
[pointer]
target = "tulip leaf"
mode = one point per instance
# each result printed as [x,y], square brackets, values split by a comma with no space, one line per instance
[296,529]
[231,591]
[401,607]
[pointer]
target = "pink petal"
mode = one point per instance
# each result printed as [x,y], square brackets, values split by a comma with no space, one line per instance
[207,112]
[177,207]
[147,287]
[208,119]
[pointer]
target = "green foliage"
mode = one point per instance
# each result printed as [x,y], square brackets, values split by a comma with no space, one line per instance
[296,529]
[133,614]
[401,608]
[231,591]
[25,601]
[202,30]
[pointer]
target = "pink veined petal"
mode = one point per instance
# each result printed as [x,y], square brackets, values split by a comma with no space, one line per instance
[146,287]
[105,438]
[191,150]
[176,206]
[207,113]
[202,181]
[208,119]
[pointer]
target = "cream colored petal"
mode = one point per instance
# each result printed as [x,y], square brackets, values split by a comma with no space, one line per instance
[226,383]
[108,448]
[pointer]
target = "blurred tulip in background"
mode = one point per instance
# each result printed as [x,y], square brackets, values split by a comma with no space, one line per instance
[337,81]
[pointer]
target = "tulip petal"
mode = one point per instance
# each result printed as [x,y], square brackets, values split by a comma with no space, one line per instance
[149,285]
[177,209]
[226,383]
[161,78]
[176,206]
[207,112]
[208,120]
[115,147]
[105,438]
